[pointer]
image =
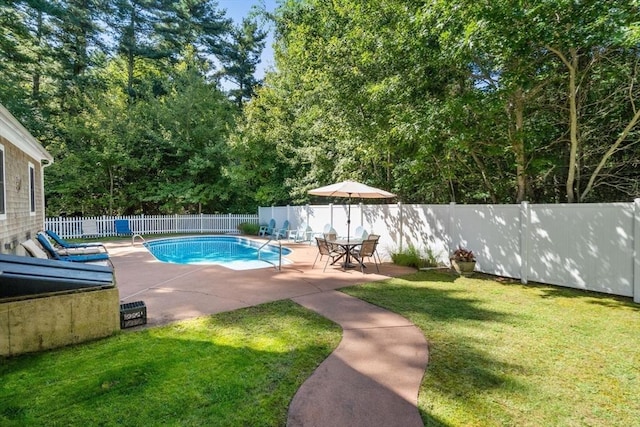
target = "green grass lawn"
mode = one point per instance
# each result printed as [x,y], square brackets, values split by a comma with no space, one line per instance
[233,369]
[501,353]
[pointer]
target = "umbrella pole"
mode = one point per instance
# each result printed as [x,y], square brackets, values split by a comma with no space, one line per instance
[347,261]
[349,220]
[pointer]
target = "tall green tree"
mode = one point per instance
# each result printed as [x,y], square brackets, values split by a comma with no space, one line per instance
[240,57]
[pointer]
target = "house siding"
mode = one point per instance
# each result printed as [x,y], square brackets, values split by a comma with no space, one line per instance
[20,223]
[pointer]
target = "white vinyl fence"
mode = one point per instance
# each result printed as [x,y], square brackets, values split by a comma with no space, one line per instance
[102,226]
[586,246]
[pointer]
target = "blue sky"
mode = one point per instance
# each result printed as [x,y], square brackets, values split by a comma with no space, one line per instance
[238,9]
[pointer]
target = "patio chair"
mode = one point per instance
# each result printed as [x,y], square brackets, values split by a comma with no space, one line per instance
[304,233]
[49,249]
[73,250]
[68,245]
[360,233]
[375,237]
[267,230]
[328,250]
[282,232]
[366,250]
[123,229]
[89,228]
[330,233]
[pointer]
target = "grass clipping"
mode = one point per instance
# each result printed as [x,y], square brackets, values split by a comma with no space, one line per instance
[237,368]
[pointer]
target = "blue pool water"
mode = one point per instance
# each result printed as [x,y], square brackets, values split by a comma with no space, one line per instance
[232,252]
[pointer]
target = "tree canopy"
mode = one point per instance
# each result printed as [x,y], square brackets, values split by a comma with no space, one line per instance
[472,102]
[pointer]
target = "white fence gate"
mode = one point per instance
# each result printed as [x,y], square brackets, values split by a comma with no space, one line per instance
[586,246]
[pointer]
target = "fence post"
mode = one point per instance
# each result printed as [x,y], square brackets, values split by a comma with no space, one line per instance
[401,221]
[525,220]
[331,214]
[451,225]
[636,250]
[229,229]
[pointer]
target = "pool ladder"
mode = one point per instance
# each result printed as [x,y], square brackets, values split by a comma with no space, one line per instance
[278,267]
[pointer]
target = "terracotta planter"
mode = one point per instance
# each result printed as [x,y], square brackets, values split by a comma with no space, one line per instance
[463,268]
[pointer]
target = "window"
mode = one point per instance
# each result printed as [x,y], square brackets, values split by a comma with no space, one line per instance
[3,192]
[32,189]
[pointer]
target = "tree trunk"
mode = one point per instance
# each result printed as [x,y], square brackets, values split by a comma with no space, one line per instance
[517,144]
[111,189]
[573,125]
[485,180]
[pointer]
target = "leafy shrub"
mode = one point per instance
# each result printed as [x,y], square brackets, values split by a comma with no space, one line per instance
[248,228]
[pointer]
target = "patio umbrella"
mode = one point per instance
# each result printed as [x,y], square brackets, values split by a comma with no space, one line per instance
[351,189]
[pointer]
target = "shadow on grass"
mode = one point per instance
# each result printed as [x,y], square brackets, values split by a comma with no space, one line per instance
[188,373]
[554,291]
[452,319]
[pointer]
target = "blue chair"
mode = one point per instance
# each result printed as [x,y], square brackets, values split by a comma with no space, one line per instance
[68,245]
[46,245]
[123,229]
[282,232]
[267,230]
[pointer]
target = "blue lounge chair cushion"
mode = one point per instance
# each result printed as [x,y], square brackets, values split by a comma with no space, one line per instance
[46,245]
[63,243]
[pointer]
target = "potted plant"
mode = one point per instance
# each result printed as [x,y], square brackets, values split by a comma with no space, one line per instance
[463,261]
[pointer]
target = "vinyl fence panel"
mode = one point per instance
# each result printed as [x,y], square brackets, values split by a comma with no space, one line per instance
[587,246]
[492,233]
[583,246]
[425,228]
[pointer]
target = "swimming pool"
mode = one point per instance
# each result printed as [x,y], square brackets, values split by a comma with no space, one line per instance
[236,253]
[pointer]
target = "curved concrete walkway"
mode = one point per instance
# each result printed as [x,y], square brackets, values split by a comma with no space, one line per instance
[372,378]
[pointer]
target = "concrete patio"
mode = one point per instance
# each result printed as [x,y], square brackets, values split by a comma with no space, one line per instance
[174,292]
[371,379]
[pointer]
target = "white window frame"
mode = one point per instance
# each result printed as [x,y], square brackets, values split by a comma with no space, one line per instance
[32,189]
[3,185]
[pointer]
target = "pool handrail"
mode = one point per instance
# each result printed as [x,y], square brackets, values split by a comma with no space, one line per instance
[279,266]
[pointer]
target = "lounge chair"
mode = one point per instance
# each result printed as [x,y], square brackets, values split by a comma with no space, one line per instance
[68,245]
[267,230]
[51,251]
[72,251]
[331,252]
[282,232]
[123,229]
[34,250]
